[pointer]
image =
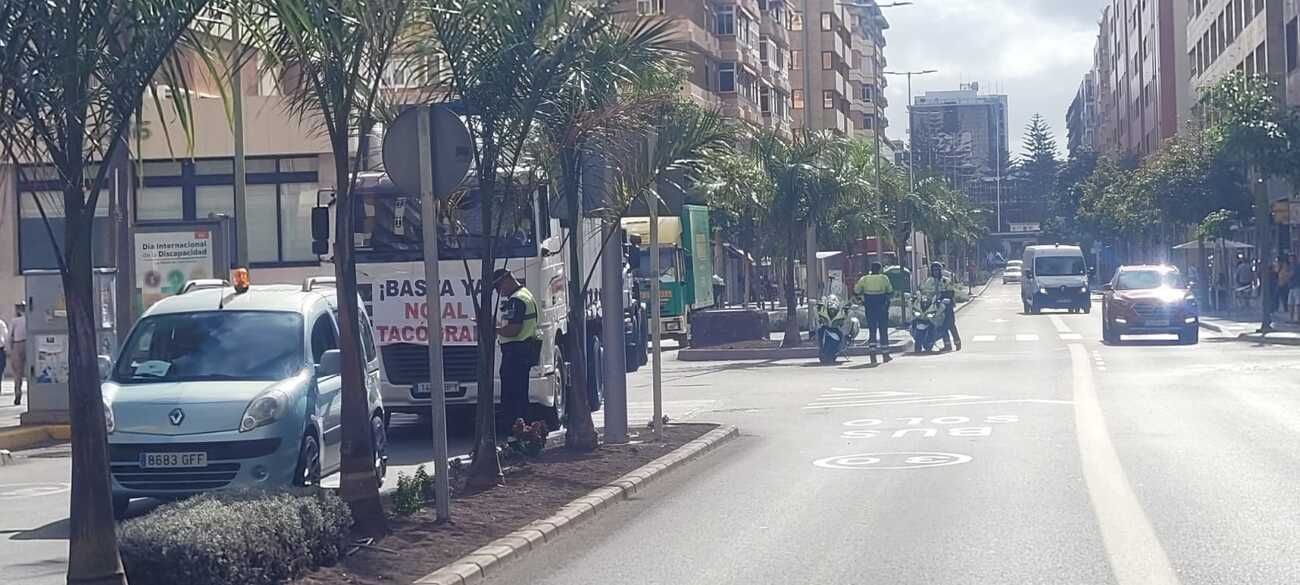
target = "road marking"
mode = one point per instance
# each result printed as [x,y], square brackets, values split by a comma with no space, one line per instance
[14,491]
[1136,556]
[848,402]
[1059,323]
[892,460]
[1070,336]
[1026,337]
[981,338]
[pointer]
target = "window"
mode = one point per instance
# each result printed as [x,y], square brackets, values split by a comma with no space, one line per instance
[649,7]
[780,57]
[762,51]
[868,121]
[828,99]
[726,77]
[828,60]
[727,20]
[796,60]
[828,21]
[866,93]
[35,250]
[323,338]
[1291,48]
[796,99]
[403,71]
[1261,59]
[1259,6]
[765,100]
[796,20]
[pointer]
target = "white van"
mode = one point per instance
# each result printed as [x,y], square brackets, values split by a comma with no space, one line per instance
[1055,277]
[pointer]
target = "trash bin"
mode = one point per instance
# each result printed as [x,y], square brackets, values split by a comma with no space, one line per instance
[900,278]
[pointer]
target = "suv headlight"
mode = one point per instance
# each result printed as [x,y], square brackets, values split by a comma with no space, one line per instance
[110,424]
[1042,291]
[263,410]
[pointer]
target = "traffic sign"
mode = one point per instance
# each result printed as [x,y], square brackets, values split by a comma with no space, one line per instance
[452,150]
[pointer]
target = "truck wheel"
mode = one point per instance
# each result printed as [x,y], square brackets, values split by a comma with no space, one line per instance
[595,373]
[553,416]
[379,441]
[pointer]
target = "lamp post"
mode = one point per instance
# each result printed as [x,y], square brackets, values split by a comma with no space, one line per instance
[911,146]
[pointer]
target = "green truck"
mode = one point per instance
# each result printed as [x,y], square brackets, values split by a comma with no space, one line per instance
[685,266]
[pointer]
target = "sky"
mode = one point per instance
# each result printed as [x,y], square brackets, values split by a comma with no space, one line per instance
[1034,51]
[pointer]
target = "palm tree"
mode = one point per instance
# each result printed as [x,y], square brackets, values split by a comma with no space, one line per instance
[74,73]
[330,57]
[738,189]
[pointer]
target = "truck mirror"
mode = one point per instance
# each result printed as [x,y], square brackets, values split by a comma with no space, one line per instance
[320,223]
[633,254]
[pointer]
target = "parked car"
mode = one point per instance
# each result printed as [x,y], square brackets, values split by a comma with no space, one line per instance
[220,388]
[1011,274]
[1149,300]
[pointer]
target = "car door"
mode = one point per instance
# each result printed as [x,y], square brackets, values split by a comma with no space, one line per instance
[324,337]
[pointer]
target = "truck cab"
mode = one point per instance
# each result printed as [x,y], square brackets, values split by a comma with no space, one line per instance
[685,267]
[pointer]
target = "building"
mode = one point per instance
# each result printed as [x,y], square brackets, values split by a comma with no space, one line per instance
[1081,119]
[821,52]
[962,137]
[1141,72]
[867,80]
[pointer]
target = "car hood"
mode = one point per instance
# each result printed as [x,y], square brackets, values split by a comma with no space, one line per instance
[205,407]
[1162,295]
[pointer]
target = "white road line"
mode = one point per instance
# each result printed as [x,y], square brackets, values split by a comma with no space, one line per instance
[1136,556]
[1070,336]
[1059,323]
[848,404]
[979,338]
[1026,337]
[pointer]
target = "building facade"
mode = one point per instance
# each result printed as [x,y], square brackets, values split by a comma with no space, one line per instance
[1081,118]
[961,136]
[821,47]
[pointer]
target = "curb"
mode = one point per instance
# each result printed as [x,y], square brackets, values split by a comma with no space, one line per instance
[776,353]
[475,566]
[23,437]
[1264,339]
[1210,326]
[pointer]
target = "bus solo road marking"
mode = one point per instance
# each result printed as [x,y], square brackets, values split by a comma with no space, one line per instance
[861,428]
[14,491]
[892,460]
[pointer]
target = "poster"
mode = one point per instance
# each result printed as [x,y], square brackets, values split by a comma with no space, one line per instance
[165,261]
[399,311]
[51,364]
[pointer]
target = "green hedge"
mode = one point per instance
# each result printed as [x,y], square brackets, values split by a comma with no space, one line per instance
[248,538]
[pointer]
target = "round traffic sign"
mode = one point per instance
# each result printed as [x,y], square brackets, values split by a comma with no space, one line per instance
[452,150]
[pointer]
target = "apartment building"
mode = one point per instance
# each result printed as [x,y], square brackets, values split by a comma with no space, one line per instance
[1142,74]
[1081,118]
[962,136]
[1246,36]
[821,53]
[867,80]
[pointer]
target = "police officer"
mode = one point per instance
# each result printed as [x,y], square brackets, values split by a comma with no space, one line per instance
[875,290]
[521,343]
[938,287]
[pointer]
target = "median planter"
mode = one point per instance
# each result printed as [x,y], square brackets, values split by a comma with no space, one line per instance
[719,326]
[250,538]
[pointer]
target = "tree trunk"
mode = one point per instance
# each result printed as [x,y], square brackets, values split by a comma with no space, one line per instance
[791,338]
[581,435]
[485,467]
[1203,266]
[358,485]
[92,539]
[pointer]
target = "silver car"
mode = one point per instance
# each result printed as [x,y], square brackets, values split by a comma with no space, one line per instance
[218,389]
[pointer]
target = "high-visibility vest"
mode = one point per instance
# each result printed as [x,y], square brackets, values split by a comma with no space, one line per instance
[529,329]
[874,284]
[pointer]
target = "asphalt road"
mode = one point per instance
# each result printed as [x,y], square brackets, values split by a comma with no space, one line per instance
[1036,455]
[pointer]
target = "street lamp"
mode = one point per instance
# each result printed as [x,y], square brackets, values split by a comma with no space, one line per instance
[911,150]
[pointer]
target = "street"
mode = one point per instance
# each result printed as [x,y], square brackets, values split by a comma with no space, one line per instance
[1035,455]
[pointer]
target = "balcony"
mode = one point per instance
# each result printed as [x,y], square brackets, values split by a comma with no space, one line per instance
[702,96]
[731,49]
[861,107]
[768,27]
[857,76]
[697,37]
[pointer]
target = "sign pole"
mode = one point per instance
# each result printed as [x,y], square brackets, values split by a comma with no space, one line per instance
[656,338]
[433,300]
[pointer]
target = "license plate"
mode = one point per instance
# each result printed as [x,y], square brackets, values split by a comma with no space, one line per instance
[1156,322]
[447,388]
[173,460]
[922,326]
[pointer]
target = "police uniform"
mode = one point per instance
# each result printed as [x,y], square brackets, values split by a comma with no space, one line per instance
[875,290]
[519,352]
[943,288]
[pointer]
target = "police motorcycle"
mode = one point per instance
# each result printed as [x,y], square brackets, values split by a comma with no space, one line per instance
[926,316]
[836,330]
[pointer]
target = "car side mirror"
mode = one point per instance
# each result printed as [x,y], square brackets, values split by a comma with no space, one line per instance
[331,363]
[1107,287]
[105,367]
[551,246]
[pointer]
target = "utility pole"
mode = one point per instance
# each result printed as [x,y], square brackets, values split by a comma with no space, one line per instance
[237,109]
[911,144]
[810,234]
[611,302]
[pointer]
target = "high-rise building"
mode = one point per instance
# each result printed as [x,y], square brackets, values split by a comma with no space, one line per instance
[867,80]
[1081,119]
[821,48]
[1224,36]
[962,137]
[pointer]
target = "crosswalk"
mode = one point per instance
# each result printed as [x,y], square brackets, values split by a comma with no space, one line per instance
[641,413]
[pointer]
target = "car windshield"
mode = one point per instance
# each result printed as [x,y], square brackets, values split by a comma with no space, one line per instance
[1148,279]
[213,345]
[1060,266]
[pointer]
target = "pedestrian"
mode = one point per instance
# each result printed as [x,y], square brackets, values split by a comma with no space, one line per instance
[521,343]
[941,287]
[1244,279]
[1284,272]
[1293,297]
[4,344]
[876,291]
[18,350]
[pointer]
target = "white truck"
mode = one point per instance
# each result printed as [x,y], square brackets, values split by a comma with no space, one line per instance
[390,275]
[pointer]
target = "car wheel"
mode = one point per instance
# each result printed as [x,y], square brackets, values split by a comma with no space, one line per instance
[595,373]
[1189,336]
[379,440]
[307,471]
[120,505]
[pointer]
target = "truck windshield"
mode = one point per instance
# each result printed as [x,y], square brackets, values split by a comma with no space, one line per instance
[213,345]
[389,228]
[1060,266]
[667,266]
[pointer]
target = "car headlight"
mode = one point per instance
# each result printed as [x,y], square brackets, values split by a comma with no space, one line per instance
[109,422]
[262,411]
[1121,320]
[1042,291]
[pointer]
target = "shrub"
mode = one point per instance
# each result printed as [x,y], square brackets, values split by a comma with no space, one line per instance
[251,538]
[412,492]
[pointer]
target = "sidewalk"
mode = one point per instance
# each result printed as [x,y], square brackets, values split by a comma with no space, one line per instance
[1244,325]
[8,412]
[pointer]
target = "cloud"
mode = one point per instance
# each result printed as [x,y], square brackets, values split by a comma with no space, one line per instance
[1035,51]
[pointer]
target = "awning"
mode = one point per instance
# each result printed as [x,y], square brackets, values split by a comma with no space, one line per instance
[825,255]
[1213,244]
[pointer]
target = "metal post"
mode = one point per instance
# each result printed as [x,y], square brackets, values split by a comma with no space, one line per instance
[433,300]
[811,277]
[123,247]
[237,109]
[611,301]
[656,339]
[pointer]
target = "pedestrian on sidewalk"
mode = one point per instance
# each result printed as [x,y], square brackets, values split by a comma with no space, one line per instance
[1244,278]
[4,344]
[1284,273]
[18,350]
[876,290]
[1293,297]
